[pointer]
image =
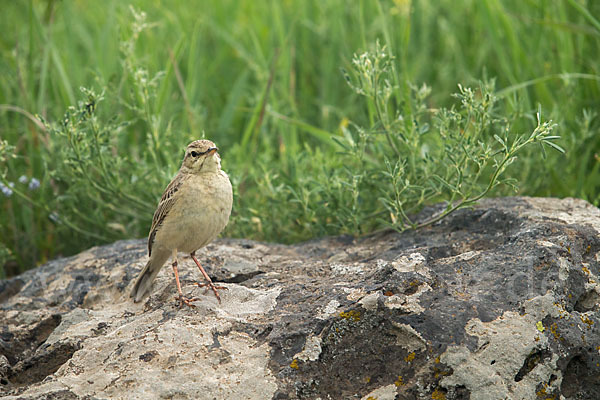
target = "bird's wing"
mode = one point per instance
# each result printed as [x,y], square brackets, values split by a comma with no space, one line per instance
[164,206]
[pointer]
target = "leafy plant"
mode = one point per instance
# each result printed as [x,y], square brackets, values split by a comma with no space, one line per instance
[307,155]
[452,155]
[410,156]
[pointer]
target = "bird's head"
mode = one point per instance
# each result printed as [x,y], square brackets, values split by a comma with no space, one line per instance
[200,157]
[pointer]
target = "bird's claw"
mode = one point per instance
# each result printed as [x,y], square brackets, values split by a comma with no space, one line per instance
[210,285]
[181,300]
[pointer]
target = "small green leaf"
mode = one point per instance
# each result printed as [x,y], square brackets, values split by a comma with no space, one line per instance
[555,146]
[543,150]
[500,140]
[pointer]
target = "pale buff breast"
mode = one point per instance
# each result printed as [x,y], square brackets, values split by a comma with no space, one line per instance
[201,212]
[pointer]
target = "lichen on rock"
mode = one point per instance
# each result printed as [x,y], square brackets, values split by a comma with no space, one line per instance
[498,301]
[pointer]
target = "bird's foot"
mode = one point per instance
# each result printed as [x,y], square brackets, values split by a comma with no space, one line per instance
[181,300]
[210,285]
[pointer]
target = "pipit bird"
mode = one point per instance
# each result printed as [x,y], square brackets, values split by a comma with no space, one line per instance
[192,211]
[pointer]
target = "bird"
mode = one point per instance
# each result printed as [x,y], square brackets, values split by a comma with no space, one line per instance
[193,210]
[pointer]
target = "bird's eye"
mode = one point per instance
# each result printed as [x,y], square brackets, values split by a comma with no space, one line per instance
[195,154]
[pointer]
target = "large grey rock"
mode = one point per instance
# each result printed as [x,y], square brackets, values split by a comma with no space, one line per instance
[496,302]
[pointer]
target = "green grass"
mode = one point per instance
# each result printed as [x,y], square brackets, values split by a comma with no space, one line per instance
[265,80]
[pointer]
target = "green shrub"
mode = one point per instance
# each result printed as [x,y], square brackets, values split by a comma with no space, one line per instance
[308,154]
[410,156]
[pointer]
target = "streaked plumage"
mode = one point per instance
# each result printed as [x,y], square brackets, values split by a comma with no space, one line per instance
[192,211]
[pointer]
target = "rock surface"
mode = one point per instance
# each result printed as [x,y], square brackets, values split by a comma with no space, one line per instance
[496,302]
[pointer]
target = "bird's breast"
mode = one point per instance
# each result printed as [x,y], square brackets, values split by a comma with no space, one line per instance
[200,213]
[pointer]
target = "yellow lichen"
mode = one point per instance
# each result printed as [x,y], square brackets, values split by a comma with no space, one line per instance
[541,394]
[586,320]
[540,326]
[410,357]
[585,269]
[438,395]
[554,330]
[294,364]
[351,315]
[399,381]
[438,372]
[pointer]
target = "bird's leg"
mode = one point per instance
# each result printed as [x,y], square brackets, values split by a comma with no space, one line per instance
[209,281]
[181,299]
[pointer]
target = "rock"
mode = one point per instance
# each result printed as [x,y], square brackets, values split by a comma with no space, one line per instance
[496,302]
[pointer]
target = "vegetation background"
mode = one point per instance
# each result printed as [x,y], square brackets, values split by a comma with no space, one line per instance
[320,110]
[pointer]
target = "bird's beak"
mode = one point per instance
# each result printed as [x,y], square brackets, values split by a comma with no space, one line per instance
[212,150]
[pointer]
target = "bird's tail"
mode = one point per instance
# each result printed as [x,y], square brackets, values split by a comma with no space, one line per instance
[147,275]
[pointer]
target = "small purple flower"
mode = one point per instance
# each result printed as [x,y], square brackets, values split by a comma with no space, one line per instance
[34,184]
[22,179]
[6,190]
